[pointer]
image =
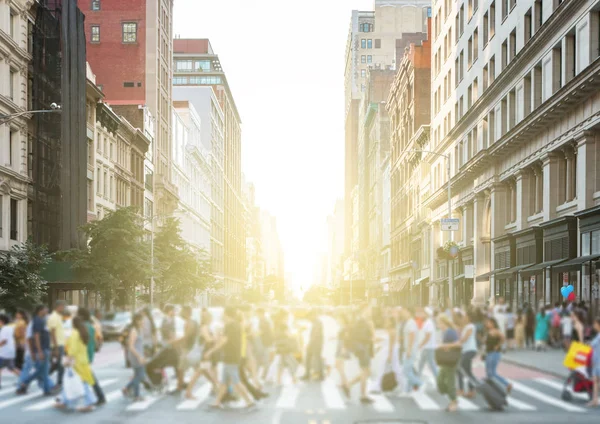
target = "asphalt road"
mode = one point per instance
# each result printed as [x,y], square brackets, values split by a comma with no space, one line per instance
[536,398]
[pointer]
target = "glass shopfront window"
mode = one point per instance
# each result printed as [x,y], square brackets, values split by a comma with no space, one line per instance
[590,286]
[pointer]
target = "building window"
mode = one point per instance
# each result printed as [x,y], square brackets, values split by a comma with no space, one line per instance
[366,27]
[130,32]
[369,59]
[12,84]
[369,44]
[492,19]
[363,44]
[95,34]
[14,219]
[90,195]
[363,59]
[363,73]
[377,43]
[202,65]
[95,6]
[13,24]
[180,80]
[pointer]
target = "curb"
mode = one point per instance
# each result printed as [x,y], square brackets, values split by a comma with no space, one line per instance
[533,368]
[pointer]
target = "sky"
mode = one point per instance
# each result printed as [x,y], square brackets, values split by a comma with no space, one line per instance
[284,62]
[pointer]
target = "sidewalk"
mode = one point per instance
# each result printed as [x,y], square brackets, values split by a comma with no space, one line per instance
[549,362]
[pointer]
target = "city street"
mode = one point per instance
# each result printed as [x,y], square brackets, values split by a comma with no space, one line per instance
[535,398]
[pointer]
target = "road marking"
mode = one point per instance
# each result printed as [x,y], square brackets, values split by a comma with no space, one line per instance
[201,395]
[114,395]
[145,404]
[287,398]
[49,403]
[331,395]
[547,399]
[19,399]
[517,404]
[424,402]
[382,403]
[466,405]
[560,387]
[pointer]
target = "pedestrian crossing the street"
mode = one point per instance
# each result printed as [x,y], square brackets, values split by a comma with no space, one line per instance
[538,394]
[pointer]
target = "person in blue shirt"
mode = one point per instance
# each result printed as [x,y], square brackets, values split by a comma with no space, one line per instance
[595,363]
[40,353]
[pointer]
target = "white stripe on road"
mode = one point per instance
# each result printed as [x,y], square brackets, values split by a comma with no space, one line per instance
[150,400]
[49,403]
[19,399]
[546,399]
[114,395]
[331,395]
[201,395]
[287,397]
[517,404]
[466,405]
[560,387]
[382,403]
[424,402]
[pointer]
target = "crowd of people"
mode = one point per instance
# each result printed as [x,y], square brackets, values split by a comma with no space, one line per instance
[256,348]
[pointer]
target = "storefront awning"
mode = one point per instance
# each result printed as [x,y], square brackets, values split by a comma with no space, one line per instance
[575,264]
[511,271]
[484,277]
[439,281]
[538,267]
[421,281]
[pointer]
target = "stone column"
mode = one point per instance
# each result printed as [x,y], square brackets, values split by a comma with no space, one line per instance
[570,187]
[550,168]
[539,189]
[586,169]
[523,186]
[499,210]
[479,231]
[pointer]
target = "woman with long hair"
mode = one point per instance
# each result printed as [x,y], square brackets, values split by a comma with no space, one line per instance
[493,349]
[76,351]
[468,343]
[21,322]
[85,315]
[205,340]
[135,353]
[529,327]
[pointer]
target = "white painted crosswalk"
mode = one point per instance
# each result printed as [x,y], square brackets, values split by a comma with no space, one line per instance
[540,394]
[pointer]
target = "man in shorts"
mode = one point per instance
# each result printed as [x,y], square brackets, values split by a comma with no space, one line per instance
[8,351]
[362,340]
[231,343]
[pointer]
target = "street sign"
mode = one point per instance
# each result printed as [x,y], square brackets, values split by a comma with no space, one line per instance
[450,224]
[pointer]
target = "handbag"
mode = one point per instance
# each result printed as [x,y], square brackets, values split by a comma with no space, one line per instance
[448,357]
[72,385]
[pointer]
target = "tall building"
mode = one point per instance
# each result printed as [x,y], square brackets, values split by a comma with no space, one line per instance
[255,274]
[129,47]
[14,178]
[196,64]
[212,133]
[514,106]
[374,39]
[273,256]
[408,106]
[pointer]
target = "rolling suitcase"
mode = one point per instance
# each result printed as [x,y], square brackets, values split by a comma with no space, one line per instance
[494,395]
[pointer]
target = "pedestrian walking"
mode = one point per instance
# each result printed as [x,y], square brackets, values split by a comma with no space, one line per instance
[510,319]
[468,343]
[231,343]
[389,350]
[8,350]
[595,344]
[493,352]
[314,348]
[520,330]
[40,353]
[362,346]
[542,328]
[446,378]
[77,359]
[57,339]
[135,353]
[427,342]
[205,340]
[530,320]
[342,352]
[410,336]
[577,319]
[190,352]
[85,315]
[285,348]
[21,323]
[566,324]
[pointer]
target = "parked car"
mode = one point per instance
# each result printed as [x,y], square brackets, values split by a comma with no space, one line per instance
[115,323]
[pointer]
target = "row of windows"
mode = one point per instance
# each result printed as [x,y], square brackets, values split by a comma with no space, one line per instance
[128,33]
[13,211]
[203,80]
[368,43]
[192,65]
[366,27]
[366,59]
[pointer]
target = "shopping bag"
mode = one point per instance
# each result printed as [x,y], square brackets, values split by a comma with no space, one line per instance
[577,356]
[72,385]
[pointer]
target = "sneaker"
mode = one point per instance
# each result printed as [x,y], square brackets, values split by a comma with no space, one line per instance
[366,400]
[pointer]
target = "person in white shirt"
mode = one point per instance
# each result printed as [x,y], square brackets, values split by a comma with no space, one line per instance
[468,341]
[427,341]
[499,314]
[410,336]
[8,350]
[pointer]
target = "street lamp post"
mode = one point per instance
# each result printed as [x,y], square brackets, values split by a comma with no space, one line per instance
[450,270]
[54,108]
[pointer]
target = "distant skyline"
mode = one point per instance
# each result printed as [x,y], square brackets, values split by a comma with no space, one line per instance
[285,66]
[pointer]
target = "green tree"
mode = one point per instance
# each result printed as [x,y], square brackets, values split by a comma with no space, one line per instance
[21,285]
[180,271]
[117,258]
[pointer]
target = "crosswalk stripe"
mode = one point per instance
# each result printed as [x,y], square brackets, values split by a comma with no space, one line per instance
[19,399]
[545,398]
[114,395]
[45,404]
[517,404]
[466,405]
[331,395]
[287,397]
[382,403]
[201,395]
[145,404]
[424,402]
[560,387]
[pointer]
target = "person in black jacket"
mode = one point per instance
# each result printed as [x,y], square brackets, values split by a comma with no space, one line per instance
[314,348]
